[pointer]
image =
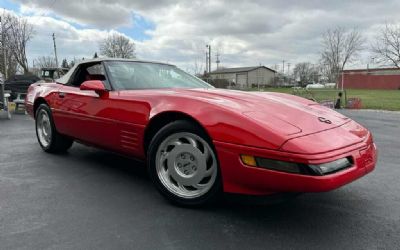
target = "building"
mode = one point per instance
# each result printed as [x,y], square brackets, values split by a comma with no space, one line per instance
[245,77]
[380,78]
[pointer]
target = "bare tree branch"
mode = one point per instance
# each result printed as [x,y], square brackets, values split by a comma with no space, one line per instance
[339,48]
[117,46]
[18,34]
[45,62]
[387,45]
[305,72]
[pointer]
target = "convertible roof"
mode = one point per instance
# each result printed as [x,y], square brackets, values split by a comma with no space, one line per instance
[120,59]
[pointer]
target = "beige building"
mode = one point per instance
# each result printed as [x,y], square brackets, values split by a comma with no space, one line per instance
[245,77]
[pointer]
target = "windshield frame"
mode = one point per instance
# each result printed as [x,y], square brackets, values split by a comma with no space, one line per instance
[115,88]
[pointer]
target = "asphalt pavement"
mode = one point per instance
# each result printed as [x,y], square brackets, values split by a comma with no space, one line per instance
[92,199]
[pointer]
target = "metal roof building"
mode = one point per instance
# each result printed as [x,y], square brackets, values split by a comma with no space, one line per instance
[245,77]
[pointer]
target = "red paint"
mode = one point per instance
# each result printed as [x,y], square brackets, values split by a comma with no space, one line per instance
[271,125]
[371,79]
[95,85]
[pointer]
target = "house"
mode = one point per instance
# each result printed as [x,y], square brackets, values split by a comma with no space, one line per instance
[379,78]
[245,77]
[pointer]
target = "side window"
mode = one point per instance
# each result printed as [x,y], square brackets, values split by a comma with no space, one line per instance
[87,72]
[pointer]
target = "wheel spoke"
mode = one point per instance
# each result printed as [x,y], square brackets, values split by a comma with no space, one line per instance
[182,188]
[180,151]
[164,156]
[209,172]
[199,186]
[206,153]
[175,143]
[191,141]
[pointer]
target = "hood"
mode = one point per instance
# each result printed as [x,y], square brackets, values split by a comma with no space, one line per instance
[284,113]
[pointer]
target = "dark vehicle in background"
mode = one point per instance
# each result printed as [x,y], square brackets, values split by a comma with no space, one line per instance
[51,74]
[18,84]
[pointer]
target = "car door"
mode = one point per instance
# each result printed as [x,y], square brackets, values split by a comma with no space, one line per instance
[83,114]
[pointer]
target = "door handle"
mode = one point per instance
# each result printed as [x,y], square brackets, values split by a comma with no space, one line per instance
[61,94]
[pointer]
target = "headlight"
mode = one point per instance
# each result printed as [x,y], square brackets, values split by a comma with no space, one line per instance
[297,168]
[333,166]
[283,166]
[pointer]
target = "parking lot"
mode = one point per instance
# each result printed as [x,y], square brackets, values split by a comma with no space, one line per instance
[89,199]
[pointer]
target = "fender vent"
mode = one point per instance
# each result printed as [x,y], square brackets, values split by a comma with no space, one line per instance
[129,140]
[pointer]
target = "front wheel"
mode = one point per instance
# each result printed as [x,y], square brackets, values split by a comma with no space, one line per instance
[183,164]
[48,137]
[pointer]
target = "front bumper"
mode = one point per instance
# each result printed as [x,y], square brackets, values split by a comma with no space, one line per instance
[242,179]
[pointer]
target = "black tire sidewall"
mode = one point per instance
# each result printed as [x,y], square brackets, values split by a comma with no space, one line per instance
[58,142]
[169,129]
[53,131]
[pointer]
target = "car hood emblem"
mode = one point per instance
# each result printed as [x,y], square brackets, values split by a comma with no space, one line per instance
[323,119]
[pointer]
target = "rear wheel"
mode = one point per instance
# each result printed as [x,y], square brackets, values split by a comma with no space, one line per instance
[183,164]
[48,137]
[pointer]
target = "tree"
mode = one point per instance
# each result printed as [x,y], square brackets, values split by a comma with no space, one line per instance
[95,55]
[387,45]
[339,48]
[117,46]
[12,64]
[64,63]
[18,35]
[305,72]
[45,62]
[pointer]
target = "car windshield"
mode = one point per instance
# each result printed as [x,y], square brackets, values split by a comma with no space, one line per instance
[142,75]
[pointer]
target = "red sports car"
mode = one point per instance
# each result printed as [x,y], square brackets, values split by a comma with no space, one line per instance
[199,141]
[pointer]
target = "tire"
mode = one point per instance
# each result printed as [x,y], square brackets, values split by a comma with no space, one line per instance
[48,137]
[183,165]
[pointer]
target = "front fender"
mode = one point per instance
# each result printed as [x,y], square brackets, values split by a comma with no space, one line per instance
[222,124]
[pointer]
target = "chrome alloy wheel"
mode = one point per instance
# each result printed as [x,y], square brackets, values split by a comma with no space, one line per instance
[186,165]
[43,128]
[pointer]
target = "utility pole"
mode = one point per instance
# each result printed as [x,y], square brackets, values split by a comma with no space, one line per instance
[283,66]
[206,69]
[209,57]
[55,49]
[217,61]
[342,79]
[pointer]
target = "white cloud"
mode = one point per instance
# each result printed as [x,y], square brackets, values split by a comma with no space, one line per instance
[244,32]
[71,42]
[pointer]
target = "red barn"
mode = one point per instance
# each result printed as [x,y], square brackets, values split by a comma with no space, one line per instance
[382,78]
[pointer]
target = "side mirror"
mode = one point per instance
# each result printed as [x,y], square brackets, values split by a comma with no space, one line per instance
[95,85]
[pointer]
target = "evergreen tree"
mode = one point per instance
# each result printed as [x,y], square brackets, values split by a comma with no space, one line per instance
[64,63]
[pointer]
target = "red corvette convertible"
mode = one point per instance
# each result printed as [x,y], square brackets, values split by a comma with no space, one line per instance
[199,141]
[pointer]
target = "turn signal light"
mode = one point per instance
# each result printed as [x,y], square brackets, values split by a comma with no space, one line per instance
[249,160]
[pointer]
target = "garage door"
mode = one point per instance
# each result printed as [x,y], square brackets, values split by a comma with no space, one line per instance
[241,80]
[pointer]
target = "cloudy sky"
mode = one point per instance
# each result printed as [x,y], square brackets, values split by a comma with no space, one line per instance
[243,32]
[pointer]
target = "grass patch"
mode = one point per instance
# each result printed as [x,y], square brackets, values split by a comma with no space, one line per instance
[370,98]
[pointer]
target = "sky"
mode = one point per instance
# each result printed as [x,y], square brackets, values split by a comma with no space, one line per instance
[243,33]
